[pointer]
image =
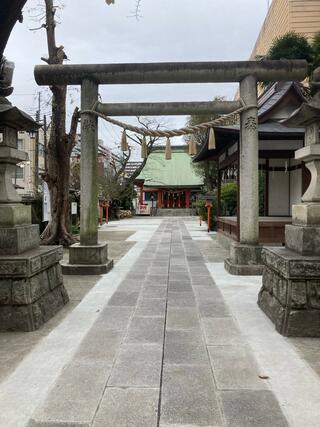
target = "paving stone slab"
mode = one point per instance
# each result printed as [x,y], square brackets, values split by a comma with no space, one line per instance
[188,397]
[113,317]
[147,256]
[213,309]
[124,299]
[208,293]
[151,307]
[154,292]
[137,365]
[201,281]
[181,262]
[163,255]
[176,268]
[73,402]
[100,344]
[136,276]
[158,270]
[157,279]
[182,318]
[181,299]
[146,330]
[252,409]
[196,271]
[148,284]
[185,347]
[160,263]
[132,407]
[180,286]
[131,287]
[234,368]
[221,331]
[176,276]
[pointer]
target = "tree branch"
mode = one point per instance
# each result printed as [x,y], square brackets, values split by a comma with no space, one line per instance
[74,126]
[136,12]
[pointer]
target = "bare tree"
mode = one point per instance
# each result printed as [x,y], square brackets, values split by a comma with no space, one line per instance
[116,185]
[135,12]
[60,143]
[148,124]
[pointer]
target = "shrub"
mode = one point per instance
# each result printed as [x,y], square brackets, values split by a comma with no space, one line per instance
[229,199]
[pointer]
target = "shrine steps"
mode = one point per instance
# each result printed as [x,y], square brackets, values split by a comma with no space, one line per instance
[175,212]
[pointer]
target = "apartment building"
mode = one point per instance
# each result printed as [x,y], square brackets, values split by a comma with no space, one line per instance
[26,172]
[301,16]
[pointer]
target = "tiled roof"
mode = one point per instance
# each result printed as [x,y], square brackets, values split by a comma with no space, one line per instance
[177,172]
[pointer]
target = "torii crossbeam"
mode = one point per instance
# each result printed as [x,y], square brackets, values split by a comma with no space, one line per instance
[247,73]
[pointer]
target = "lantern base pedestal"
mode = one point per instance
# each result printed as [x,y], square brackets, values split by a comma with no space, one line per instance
[290,293]
[31,288]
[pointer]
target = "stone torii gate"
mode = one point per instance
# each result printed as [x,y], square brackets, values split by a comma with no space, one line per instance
[90,257]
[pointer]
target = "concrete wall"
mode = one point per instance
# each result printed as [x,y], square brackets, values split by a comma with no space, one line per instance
[285,188]
[279,190]
[295,187]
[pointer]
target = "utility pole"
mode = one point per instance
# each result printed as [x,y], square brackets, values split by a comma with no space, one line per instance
[45,140]
[36,147]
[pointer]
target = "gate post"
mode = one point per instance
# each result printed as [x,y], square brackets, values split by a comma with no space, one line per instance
[88,165]
[245,256]
[88,257]
[249,164]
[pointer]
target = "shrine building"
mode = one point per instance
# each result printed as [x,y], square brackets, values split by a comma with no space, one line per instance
[169,184]
[282,181]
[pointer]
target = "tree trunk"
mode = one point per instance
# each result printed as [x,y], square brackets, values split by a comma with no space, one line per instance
[10,12]
[60,147]
[57,231]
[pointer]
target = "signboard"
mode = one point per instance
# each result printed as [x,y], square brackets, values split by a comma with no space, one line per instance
[144,210]
[46,204]
[74,208]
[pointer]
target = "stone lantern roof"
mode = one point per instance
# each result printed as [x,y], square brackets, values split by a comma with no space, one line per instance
[15,118]
[309,112]
[303,116]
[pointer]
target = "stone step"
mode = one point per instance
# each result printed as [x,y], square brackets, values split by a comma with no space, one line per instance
[175,212]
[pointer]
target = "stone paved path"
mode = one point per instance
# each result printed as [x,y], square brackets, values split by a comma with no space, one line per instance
[14,346]
[165,351]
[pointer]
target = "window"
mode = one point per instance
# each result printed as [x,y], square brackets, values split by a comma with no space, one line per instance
[148,196]
[19,172]
[20,144]
[41,150]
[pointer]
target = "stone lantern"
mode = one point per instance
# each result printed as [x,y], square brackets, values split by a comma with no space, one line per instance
[31,285]
[290,294]
[15,218]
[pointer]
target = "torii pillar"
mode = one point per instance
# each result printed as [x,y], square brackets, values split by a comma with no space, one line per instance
[245,256]
[89,256]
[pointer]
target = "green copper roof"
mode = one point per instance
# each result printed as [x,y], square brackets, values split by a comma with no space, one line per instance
[177,172]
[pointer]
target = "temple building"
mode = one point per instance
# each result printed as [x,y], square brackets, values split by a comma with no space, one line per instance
[283,180]
[168,184]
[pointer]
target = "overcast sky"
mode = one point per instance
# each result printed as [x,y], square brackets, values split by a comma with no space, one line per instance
[169,30]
